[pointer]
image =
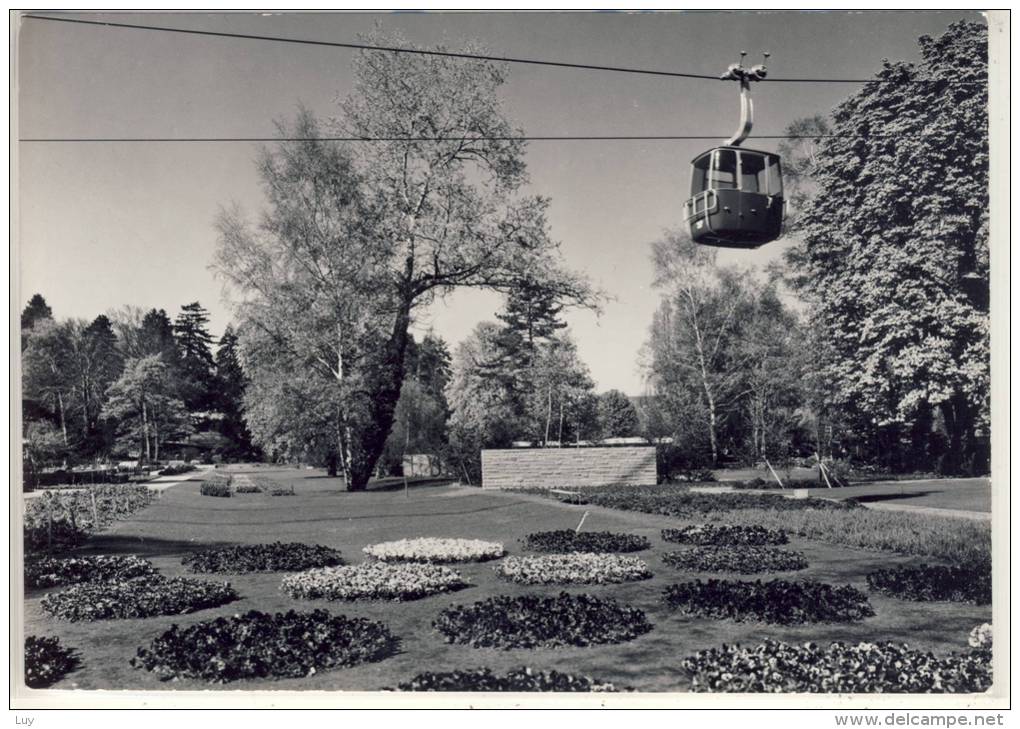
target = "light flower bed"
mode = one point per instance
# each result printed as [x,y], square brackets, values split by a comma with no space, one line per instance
[435,549]
[373,580]
[590,568]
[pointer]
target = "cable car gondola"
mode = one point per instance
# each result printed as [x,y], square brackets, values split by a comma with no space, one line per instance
[736,194]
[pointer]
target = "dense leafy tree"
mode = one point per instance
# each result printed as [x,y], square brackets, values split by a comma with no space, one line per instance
[617,416]
[144,406]
[230,385]
[35,310]
[46,384]
[403,221]
[94,364]
[896,245]
[195,364]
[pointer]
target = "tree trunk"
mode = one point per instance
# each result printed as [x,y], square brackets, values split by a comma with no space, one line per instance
[63,418]
[384,393]
[713,423]
[145,429]
[548,418]
[959,428]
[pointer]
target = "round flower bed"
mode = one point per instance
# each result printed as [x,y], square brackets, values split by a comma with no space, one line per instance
[535,621]
[724,535]
[141,597]
[743,560]
[433,549]
[577,568]
[275,557]
[373,580]
[777,601]
[260,645]
[46,661]
[55,571]
[775,667]
[926,583]
[520,679]
[567,540]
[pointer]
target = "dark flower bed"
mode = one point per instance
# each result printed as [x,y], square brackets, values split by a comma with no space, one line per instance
[743,560]
[275,557]
[46,661]
[520,679]
[673,500]
[775,667]
[776,601]
[261,645]
[247,488]
[535,621]
[215,488]
[55,571]
[141,597]
[724,535]
[923,583]
[567,540]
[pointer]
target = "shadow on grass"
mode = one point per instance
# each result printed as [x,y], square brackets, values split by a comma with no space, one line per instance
[144,547]
[891,496]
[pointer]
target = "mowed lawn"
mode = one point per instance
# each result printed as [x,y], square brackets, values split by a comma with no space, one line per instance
[321,512]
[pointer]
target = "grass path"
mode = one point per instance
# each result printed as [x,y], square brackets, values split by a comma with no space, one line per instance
[320,512]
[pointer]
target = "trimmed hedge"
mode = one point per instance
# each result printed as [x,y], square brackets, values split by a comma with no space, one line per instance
[46,661]
[742,560]
[926,583]
[777,601]
[536,621]
[591,568]
[373,580]
[55,571]
[140,597]
[567,540]
[677,501]
[519,679]
[261,645]
[776,667]
[724,535]
[275,557]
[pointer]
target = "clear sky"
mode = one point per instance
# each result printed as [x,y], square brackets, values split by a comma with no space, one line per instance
[102,225]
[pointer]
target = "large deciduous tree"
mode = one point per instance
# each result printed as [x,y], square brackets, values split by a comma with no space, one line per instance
[143,404]
[434,205]
[896,244]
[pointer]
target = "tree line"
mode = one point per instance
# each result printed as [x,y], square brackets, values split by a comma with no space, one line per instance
[129,383]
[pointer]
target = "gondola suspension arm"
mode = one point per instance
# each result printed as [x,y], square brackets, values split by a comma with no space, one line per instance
[737,72]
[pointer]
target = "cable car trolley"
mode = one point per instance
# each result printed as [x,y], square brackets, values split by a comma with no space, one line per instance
[736,194]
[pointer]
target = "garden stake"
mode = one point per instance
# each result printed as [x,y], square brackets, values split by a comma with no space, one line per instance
[583,517]
[95,511]
[774,473]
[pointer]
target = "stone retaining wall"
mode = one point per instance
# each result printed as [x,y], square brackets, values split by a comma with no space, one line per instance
[568,467]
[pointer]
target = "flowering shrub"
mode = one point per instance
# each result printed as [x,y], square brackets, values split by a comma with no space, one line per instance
[931,582]
[46,661]
[567,540]
[373,580]
[275,557]
[776,667]
[433,549]
[53,571]
[724,535]
[216,487]
[520,679]
[777,601]
[140,597]
[576,568]
[260,645]
[59,520]
[743,560]
[535,621]
[981,637]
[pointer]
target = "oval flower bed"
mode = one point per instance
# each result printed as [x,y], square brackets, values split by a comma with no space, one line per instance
[567,540]
[535,621]
[776,667]
[577,568]
[46,661]
[777,601]
[56,571]
[925,583]
[275,557]
[742,560]
[261,645]
[520,679]
[373,580]
[141,597]
[435,549]
[724,535]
